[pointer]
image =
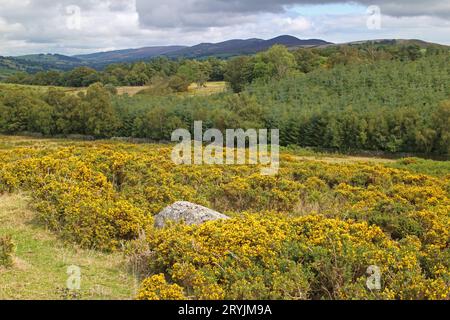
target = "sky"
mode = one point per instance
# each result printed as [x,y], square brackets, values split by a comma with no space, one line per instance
[75,27]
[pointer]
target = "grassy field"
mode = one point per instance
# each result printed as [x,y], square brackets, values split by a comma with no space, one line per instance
[209,88]
[22,86]
[41,261]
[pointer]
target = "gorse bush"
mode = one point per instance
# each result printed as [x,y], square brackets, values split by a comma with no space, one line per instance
[156,288]
[76,200]
[274,257]
[309,232]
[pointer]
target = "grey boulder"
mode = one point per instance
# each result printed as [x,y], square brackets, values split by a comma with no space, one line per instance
[188,212]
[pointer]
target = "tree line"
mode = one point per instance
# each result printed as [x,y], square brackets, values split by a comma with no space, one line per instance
[275,63]
[180,74]
[377,100]
[387,105]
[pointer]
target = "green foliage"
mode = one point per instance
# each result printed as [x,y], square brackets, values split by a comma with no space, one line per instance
[371,102]
[238,73]
[307,60]
[429,167]
[194,71]
[179,84]
[309,232]
[275,63]
[111,89]
[132,74]
[80,77]
[55,112]
[98,112]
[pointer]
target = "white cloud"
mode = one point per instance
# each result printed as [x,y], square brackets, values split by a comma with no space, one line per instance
[5,27]
[41,25]
[295,25]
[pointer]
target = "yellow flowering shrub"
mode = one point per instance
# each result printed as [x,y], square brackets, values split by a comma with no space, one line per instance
[273,257]
[308,232]
[156,288]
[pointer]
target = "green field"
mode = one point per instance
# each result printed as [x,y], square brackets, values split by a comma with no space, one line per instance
[41,260]
[211,87]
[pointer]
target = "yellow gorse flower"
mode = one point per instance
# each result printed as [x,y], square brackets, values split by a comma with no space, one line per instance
[309,232]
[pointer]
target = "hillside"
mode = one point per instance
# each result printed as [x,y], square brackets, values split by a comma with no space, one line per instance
[41,62]
[387,42]
[127,55]
[37,62]
[310,232]
[10,65]
[388,105]
[52,61]
[242,47]
[203,50]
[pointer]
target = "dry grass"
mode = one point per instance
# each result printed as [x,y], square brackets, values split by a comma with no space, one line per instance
[131,91]
[209,88]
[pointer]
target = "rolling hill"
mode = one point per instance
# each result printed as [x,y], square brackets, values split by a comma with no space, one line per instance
[203,50]
[127,55]
[36,63]
[242,47]
[222,49]
[51,61]
[42,62]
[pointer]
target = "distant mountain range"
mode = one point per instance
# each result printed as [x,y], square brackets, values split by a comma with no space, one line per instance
[100,59]
[128,55]
[40,62]
[222,49]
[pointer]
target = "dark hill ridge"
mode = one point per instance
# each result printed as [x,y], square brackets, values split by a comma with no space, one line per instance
[222,49]
[238,47]
[48,57]
[42,62]
[390,42]
[33,63]
[129,54]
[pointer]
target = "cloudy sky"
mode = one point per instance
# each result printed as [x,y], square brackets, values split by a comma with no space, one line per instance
[84,26]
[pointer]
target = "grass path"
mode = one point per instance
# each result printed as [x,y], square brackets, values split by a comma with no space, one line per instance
[41,261]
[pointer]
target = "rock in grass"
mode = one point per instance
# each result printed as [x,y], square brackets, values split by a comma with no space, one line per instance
[188,212]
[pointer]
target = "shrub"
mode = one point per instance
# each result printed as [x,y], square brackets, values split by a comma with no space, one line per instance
[111,89]
[179,84]
[309,232]
[156,288]
[273,257]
